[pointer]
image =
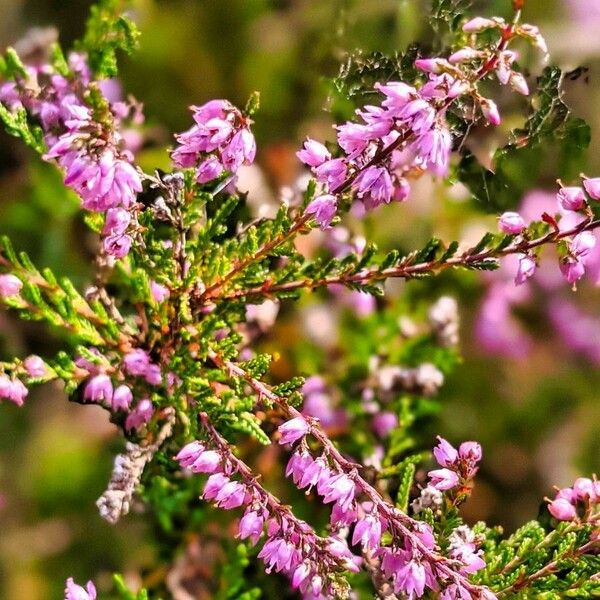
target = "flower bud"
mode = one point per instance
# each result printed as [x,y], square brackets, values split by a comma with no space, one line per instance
[527,266]
[571,198]
[562,510]
[511,223]
[592,187]
[10,285]
[479,24]
[490,111]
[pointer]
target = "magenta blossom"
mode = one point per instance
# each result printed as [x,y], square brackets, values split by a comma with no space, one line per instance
[562,510]
[13,390]
[445,453]
[35,366]
[323,208]
[527,267]
[292,430]
[443,479]
[99,389]
[10,285]
[511,223]
[140,415]
[314,153]
[74,591]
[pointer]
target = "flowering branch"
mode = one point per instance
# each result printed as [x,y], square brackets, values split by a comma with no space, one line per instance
[406,270]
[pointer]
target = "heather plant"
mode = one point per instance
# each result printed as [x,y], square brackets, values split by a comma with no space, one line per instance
[166,338]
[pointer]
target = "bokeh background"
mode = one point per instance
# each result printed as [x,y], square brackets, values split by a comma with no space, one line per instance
[528,388]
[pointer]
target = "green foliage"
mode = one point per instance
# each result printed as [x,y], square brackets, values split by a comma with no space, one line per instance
[108,31]
[16,123]
[550,125]
[448,14]
[124,592]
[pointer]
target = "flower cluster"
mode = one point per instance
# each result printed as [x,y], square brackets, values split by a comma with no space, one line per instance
[220,140]
[582,500]
[12,387]
[100,388]
[458,466]
[290,545]
[408,132]
[91,151]
[573,208]
[407,562]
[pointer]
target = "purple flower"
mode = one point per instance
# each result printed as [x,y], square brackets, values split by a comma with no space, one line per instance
[445,453]
[122,398]
[98,389]
[526,269]
[368,532]
[490,111]
[214,484]
[323,208]
[13,390]
[159,292]
[153,375]
[572,269]
[465,54]
[35,366]
[478,24]
[562,509]
[140,415]
[292,430]
[584,489]
[208,170]
[136,362]
[297,465]
[231,495]
[443,479]
[518,83]
[116,222]
[10,285]
[582,244]
[74,591]
[431,65]
[279,554]
[313,153]
[434,147]
[511,223]
[117,245]
[470,451]
[592,187]
[374,185]
[208,461]
[332,173]
[384,422]
[340,489]
[251,526]
[571,198]
[240,151]
[189,453]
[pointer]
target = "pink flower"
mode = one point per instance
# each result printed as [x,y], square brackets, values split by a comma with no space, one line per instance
[323,208]
[35,366]
[584,489]
[445,453]
[465,54]
[122,398]
[10,285]
[470,451]
[189,453]
[592,187]
[340,489]
[478,24]
[140,415]
[116,222]
[117,245]
[231,495]
[490,111]
[214,484]
[208,461]
[77,592]
[292,430]
[313,153]
[511,223]
[374,185]
[431,65]
[527,266]
[153,375]
[98,389]
[136,362]
[332,173]
[208,170]
[368,532]
[562,509]
[518,83]
[251,525]
[13,390]
[571,198]
[384,422]
[443,479]
[159,292]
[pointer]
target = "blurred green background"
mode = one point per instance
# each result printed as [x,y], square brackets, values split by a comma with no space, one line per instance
[537,417]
